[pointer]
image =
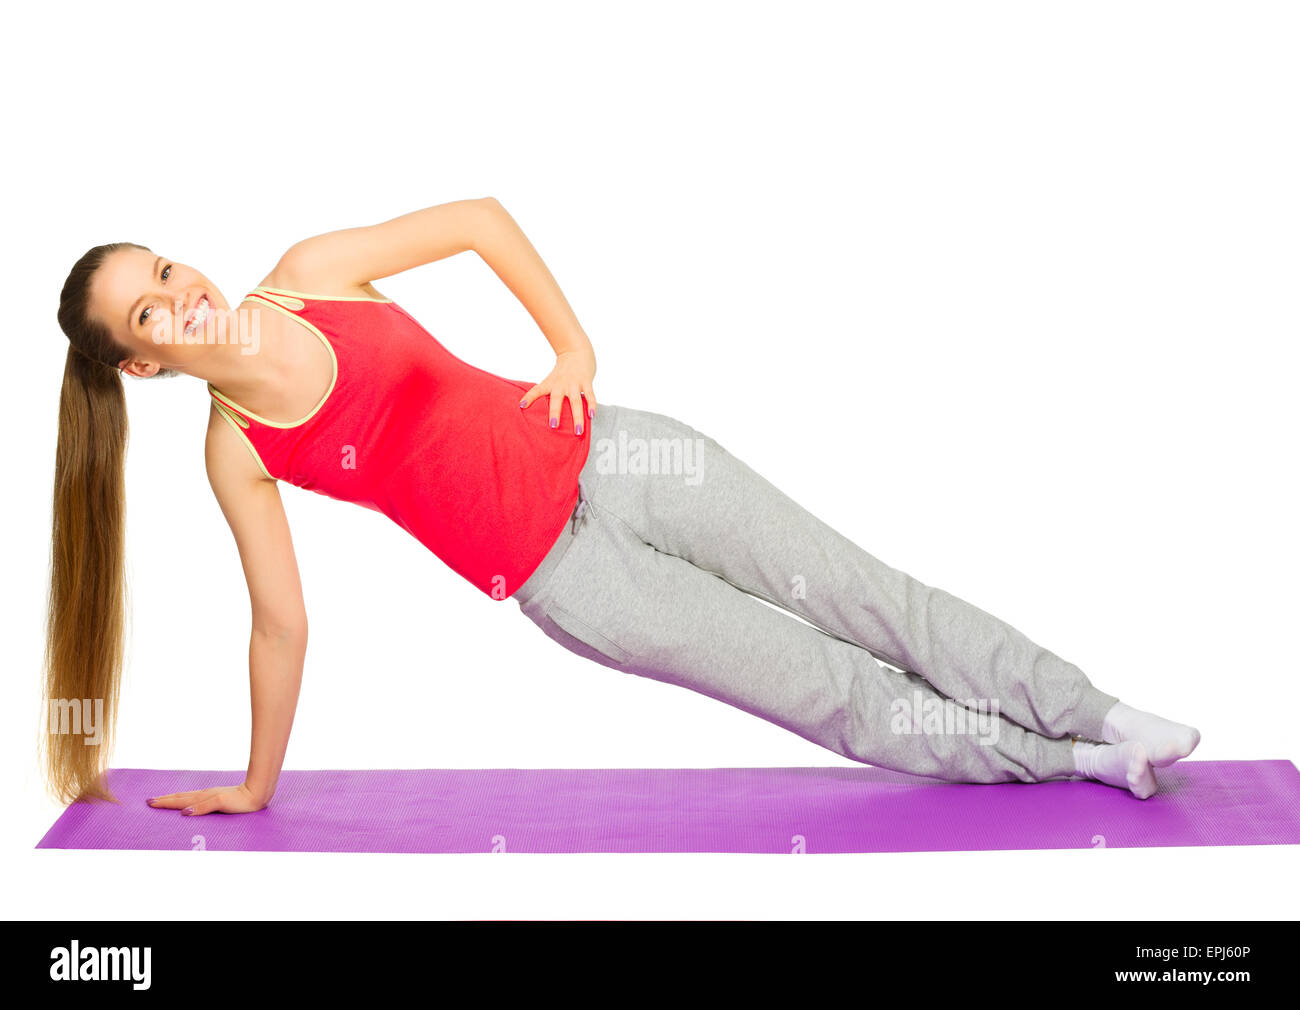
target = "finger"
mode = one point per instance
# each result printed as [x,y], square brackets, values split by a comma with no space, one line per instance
[532,394]
[203,806]
[575,408]
[591,401]
[173,801]
[557,403]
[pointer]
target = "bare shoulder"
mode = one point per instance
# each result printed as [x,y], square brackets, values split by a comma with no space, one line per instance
[322,265]
[344,263]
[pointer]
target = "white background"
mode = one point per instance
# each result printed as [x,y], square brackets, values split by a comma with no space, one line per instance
[1006,292]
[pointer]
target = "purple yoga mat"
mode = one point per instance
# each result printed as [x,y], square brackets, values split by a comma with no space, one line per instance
[836,809]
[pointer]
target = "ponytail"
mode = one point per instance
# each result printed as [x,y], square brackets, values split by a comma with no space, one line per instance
[86,613]
[87,601]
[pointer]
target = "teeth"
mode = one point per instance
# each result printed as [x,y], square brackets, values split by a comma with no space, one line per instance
[200,314]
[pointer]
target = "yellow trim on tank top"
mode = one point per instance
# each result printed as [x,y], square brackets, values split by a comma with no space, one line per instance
[321,298]
[225,412]
[284,301]
[229,413]
[334,360]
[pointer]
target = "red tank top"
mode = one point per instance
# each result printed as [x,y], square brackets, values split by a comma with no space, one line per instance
[408,429]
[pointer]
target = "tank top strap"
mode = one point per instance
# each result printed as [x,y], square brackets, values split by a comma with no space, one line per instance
[278,297]
[241,426]
[296,300]
[227,411]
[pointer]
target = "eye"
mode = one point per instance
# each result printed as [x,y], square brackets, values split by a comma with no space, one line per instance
[166,272]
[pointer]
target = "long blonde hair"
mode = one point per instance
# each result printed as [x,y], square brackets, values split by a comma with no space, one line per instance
[86,612]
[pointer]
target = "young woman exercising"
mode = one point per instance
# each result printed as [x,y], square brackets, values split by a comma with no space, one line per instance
[629,537]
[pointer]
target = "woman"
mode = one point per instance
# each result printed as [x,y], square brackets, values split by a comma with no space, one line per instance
[627,536]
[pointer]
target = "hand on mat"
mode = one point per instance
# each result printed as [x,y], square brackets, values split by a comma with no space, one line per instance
[570,377]
[219,799]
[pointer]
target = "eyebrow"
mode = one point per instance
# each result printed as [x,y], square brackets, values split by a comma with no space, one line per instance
[130,316]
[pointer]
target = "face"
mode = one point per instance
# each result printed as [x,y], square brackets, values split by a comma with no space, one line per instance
[147,301]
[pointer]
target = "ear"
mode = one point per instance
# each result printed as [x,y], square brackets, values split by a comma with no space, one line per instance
[140,369]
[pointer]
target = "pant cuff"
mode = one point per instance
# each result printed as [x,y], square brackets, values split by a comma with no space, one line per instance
[1090,712]
[1058,754]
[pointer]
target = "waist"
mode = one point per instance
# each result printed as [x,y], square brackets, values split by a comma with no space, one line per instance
[602,426]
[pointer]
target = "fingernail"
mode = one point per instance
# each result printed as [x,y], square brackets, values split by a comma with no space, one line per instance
[579,430]
[188,810]
[591,411]
[555,421]
[151,799]
[521,403]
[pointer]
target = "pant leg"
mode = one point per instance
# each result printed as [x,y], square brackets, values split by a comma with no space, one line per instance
[615,599]
[683,493]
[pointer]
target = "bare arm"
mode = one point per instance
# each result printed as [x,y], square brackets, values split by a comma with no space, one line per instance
[353,257]
[278,642]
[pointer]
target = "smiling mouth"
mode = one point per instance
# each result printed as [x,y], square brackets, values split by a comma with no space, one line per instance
[197,316]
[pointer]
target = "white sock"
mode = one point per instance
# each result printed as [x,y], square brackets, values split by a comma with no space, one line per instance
[1123,765]
[1165,741]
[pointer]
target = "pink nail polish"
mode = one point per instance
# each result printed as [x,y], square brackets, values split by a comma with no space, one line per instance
[188,810]
[554,423]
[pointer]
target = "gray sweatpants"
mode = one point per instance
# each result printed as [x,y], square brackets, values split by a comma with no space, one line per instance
[661,572]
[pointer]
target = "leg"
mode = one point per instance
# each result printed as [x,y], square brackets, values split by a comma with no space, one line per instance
[617,600]
[684,494]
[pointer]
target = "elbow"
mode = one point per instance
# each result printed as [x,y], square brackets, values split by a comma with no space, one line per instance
[495,211]
[288,631]
[484,225]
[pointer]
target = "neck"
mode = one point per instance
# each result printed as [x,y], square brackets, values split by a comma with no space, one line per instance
[255,366]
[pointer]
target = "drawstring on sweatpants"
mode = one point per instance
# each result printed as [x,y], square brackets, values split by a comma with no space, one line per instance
[579,511]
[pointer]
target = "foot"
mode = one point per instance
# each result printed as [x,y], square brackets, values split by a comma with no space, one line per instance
[1165,741]
[1123,765]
